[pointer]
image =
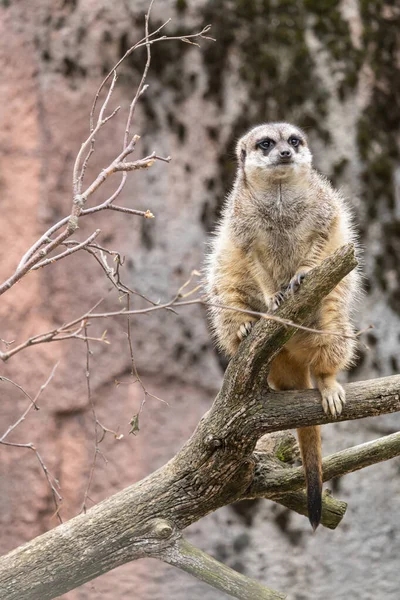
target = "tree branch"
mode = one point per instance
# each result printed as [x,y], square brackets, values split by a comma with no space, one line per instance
[276,452]
[333,510]
[187,557]
[75,248]
[300,408]
[272,480]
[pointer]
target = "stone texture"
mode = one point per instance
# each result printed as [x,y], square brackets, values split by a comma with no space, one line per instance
[331,67]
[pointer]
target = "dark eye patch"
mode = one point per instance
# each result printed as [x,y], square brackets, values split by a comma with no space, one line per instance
[295,141]
[265,144]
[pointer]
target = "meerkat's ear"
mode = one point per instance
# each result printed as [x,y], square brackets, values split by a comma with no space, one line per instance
[240,150]
[241,153]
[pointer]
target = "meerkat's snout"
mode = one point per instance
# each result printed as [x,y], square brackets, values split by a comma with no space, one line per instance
[285,155]
[282,155]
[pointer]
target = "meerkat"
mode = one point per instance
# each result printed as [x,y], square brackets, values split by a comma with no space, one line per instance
[281,219]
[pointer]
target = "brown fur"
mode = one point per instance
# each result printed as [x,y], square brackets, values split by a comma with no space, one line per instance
[281,220]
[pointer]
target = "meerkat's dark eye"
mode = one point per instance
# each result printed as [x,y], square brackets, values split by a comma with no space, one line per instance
[265,144]
[294,141]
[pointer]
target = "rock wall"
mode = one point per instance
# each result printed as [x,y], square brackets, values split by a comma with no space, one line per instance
[331,67]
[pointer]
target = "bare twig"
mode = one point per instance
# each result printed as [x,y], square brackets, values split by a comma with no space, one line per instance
[46,237]
[277,319]
[78,181]
[146,41]
[112,273]
[33,403]
[134,422]
[143,163]
[71,330]
[141,87]
[53,483]
[91,404]
[175,302]
[147,214]
[100,430]
[75,248]
[72,225]
[2,378]
[121,60]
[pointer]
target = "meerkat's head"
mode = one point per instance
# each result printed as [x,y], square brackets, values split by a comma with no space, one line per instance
[273,151]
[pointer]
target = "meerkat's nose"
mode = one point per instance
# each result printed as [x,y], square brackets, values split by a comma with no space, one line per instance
[285,154]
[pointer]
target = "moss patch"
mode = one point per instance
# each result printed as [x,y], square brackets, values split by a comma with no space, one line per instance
[333,31]
[378,131]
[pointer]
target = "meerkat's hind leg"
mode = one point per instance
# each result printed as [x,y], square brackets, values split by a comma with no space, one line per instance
[287,373]
[332,393]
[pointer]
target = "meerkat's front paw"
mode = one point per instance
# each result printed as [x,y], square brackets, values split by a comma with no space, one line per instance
[296,282]
[275,301]
[244,329]
[333,399]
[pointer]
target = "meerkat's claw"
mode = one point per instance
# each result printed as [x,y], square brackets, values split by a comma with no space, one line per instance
[333,400]
[295,282]
[244,329]
[275,301]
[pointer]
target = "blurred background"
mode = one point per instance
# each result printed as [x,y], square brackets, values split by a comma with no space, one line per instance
[331,67]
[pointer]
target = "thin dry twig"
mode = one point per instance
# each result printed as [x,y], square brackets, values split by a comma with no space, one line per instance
[112,273]
[147,214]
[134,422]
[270,317]
[146,41]
[175,302]
[52,481]
[71,330]
[141,87]
[34,255]
[78,181]
[75,248]
[100,430]
[91,404]
[2,378]
[67,331]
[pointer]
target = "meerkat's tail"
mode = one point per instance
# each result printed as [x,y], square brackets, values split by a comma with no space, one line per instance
[310,447]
